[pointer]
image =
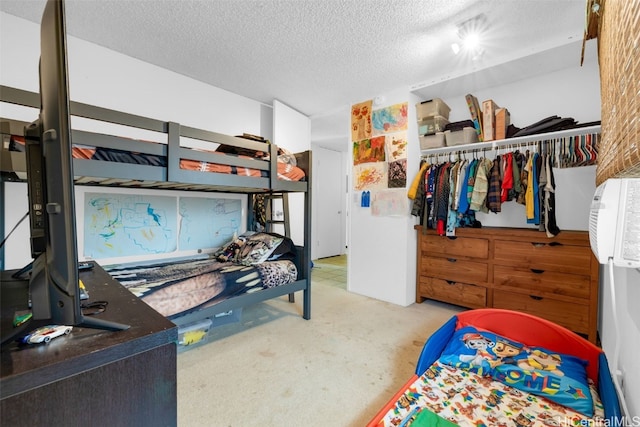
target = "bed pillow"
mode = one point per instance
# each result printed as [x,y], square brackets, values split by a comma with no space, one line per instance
[560,378]
[285,250]
[230,251]
[258,248]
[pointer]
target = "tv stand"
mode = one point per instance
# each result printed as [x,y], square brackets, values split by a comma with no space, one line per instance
[124,377]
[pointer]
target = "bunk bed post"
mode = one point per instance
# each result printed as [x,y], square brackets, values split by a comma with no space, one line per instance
[306,265]
[173,150]
[250,211]
[2,223]
[273,167]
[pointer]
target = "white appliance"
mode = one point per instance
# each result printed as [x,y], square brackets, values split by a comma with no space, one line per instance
[614,222]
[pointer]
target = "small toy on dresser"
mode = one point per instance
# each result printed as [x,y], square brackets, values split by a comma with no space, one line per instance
[46,334]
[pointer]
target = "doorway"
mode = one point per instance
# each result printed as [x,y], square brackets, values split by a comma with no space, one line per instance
[329,187]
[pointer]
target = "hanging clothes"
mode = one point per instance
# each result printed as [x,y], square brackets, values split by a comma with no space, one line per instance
[495,187]
[465,195]
[507,179]
[551,226]
[517,188]
[451,213]
[533,201]
[442,199]
[417,181]
[481,186]
[430,184]
[524,181]
[471,181]
[459,182]
[529,190]
[417,191]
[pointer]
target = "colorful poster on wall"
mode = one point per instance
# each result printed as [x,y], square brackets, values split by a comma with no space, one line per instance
[389,203]
[361,121]
[207,222]
[390,119]
[398,174]
[118,225]
[370,176]
[396,145]
[369,150]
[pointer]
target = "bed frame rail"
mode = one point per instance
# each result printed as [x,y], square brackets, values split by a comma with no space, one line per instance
[171,175]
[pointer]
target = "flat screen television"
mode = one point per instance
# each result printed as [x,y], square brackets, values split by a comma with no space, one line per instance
[53,281]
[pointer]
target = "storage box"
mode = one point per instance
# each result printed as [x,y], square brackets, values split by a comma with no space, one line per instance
[431,125]
[193,333]
[465,136]
[432,107]
[435,140]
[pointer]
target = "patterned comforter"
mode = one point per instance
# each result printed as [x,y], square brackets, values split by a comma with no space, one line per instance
[178,288]
[467,399]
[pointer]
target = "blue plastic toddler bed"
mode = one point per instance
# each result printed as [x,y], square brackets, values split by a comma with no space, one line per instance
[492,367]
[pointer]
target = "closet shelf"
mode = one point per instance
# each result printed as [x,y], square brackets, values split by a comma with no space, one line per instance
[514,141]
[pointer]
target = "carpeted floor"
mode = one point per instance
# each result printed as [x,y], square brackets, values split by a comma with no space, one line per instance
[274,368]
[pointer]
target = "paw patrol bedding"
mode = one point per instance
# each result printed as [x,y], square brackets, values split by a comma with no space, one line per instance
[465,398]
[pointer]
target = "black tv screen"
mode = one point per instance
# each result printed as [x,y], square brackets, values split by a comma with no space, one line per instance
[54,278]
[54,282]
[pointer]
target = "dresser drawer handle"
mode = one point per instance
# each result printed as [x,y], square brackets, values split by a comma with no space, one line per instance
[452,259]
[538,244]
[555,244]
[536,271]
[450,282]
[537,298]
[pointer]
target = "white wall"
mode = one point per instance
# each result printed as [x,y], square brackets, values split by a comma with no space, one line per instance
[292,130]
[382,261]
[102,77]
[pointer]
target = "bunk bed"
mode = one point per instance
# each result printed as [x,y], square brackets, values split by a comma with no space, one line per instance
[232,165]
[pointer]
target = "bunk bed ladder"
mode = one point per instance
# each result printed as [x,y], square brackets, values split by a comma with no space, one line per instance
[272,216]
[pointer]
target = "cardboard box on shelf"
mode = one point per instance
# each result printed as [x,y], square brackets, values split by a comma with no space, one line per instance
[503,120]
[489,119]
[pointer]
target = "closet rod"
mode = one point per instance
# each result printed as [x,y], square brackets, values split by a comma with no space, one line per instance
[514,141]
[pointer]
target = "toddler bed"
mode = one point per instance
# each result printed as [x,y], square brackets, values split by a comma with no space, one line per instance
[493,367]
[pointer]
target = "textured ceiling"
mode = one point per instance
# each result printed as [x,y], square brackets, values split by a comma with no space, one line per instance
[315,56]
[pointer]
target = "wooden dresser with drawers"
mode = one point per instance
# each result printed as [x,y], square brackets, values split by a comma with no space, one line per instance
[513,268]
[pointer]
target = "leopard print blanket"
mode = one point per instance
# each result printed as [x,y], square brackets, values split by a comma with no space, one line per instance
[178,288]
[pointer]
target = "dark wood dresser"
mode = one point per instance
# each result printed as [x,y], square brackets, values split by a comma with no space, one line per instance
[91,377]
[512,268]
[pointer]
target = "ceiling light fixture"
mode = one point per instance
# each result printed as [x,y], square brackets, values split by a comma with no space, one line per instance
[470,33]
